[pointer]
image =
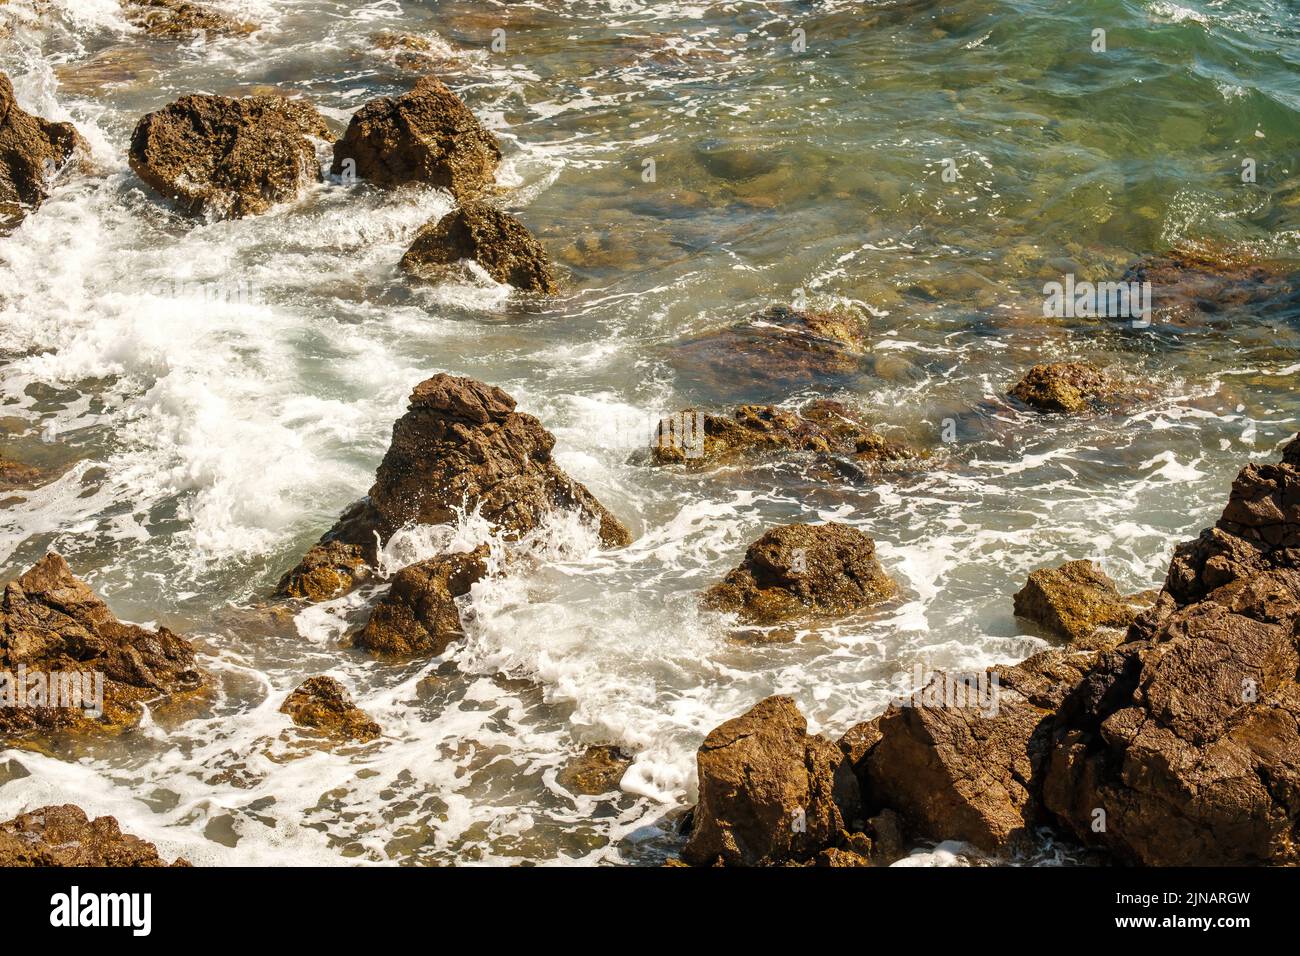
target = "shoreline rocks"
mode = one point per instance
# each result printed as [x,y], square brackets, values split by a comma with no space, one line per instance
[180,19]
[1063,387]
[496,240]
[596,771]
[64,836]
[1076,599]
[427,135]
[418,615]
[32,150]
[323,704]
[52,624]
[228,158]
[800,571]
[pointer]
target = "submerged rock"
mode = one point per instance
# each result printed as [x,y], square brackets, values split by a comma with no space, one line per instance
[14,475]
[322,703]
[329,569]
[54,628]
[1076,599]
[802,570]
[461,444]
[65,836]
[32,151]
[1063,387]
[418,615]
[227,158]
[425,136]
[497,241]
[823,427]
[180,19]
[598,770]
[769,792]
[1199,283]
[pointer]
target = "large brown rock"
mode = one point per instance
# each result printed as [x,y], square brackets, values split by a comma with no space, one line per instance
[180,19]
[418,615]
[801,570]
[32,150]
[64,836]
[322,703]
[496,240]
[1076,599]
[226,158]
[425,136]
[769,792]
[461,444]
[52,624]
[1063,387]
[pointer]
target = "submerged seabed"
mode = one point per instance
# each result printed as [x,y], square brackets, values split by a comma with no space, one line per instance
[210,438]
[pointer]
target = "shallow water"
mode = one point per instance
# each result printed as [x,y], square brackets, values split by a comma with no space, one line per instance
[219,392]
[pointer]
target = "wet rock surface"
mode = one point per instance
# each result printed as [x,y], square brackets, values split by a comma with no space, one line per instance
[597,770]
[1202,284]
[418,615]
[496,240]
[329,569]
[65,836]
[32,152]
[800,570]
[1076,599]
[322,703]
[1063,387]
[180,19]
[227,158]
[51,624]
[427,135]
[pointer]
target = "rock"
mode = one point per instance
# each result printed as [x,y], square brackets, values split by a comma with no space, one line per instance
[1182,745]
[461,444]
[1076,599]
[802,570]
[180,19]
[1063,387]
[425,136]
[823,427]
[598,770]
[14,475]
[769,792]
[497,241]
[227,158]
[53,624]
[777,351]
[65,836]
[329,569]
[1197,284]
[835,857]
[322,703]
[32,151]
[418,615]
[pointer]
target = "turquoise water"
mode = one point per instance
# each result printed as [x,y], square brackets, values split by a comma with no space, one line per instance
[207,443]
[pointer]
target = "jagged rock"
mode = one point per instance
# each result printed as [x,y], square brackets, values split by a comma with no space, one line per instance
[418,615]
[329,569]
[32,150]
[497,241]
[64,836]
[776,351]
[226,158]
[769,792]
[835,857]
[802,570]
[598,770]
[425,136]
[180,19]
[823,427]
[52,624]
[1076,599]
[322,703]
[1203,283]
[462,444]
[1063,387]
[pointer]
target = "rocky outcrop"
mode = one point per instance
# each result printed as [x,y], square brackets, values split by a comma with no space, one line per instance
[800,570]
[769,792]
[1076,599]
[329,569]
[480,232]
[425,136]
[461,444]
[773,352]
[226,158]
[181,20]
[32,151]
[64,836]
[597,770]
[322,703]
[1063,387]
[54,631]
[418,615]
[821,427]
